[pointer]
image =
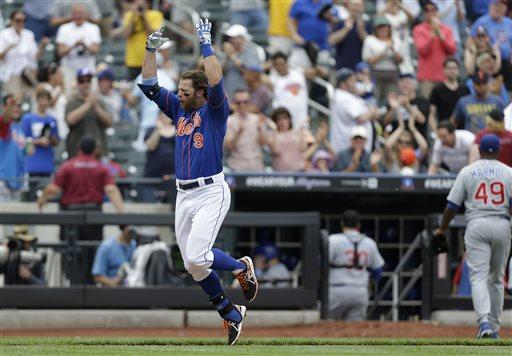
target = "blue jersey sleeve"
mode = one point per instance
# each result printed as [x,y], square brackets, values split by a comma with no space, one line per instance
[166,100]
[218,102]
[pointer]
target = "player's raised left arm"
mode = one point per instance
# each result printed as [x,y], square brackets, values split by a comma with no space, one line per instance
[212,66]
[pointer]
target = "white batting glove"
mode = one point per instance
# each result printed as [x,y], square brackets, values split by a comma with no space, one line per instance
[155,40]
[203,29]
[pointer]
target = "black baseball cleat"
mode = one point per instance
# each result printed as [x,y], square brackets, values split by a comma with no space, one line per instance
[235,329]
[247,279]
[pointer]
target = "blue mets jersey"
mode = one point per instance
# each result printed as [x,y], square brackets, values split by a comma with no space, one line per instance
[199,132]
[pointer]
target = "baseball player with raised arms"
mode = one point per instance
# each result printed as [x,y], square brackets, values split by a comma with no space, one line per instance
[199,112]
[485,188]
[353,257]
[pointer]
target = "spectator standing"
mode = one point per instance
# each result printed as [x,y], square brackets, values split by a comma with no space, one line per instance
[356,158]
[41,130]
[400,19]
[451,148]
[407,105]
[347,36]
[499,28]
[82,182]
[270,271]
[238,55]
[353,257]
[18,53]
[11,154]
[286,144]
[38,18]
[382,53]
[348,111]
[486,62]
[160,141]
[290,90]
[50,77]
[110,97]
[112,254]
[471,109]
[244,136]
[475,46]
[434,43]
[308,30]
[445,95]
[139,22]
[261,94]
[279,37]
[78,42]
[248,13]
[400,151]
[86,114]
[495,125]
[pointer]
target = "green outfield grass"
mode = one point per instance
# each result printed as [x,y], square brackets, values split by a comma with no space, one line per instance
[253,346]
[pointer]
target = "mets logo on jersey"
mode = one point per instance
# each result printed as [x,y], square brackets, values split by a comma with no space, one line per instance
[185,129]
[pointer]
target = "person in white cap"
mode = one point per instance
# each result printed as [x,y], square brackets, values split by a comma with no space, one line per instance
[239,54]
[356,158]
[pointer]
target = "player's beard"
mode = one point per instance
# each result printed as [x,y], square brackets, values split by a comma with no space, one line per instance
[189,104]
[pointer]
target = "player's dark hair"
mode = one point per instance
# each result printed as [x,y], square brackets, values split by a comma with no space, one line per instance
[350,218]
[88,144]
[281,111]
[278,55]
[451,60]
[445,124]
[198,78]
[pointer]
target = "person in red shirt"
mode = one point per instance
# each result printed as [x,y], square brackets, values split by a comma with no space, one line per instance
[82,182]
[495,125]
[434,42]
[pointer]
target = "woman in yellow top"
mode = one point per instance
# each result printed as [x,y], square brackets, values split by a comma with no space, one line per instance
[279,37]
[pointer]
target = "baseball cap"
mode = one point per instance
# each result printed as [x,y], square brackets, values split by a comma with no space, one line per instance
[490,143]
[88,144]
[381,21]
[84,72]
[361,66]
[343,74]
[407,156]
[480,30]
[359,131]
[321,155]
[480,78]
[237,31]
[407,75]
[268,250]
[106,73]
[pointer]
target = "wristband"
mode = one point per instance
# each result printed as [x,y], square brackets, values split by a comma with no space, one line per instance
[206,50]
[150,49]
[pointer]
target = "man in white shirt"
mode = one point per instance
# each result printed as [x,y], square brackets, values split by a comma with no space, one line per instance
[349,110]
[451,148]
[78,42]
[290,90]
[18,52]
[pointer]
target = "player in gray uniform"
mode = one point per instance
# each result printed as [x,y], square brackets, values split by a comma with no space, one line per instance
[270,271]
[353,256]
[485,189]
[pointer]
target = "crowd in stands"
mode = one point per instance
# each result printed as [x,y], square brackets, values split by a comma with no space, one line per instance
[392,86]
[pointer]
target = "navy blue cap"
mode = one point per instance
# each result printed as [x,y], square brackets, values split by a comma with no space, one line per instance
[362,66]
[106,73]
[490,143]
[84,72]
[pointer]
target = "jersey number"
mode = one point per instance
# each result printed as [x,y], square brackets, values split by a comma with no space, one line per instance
[496,190]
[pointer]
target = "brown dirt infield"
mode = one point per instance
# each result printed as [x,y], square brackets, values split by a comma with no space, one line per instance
[328,329]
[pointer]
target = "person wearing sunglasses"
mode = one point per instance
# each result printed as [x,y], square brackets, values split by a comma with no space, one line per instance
[86,114]
[18,53]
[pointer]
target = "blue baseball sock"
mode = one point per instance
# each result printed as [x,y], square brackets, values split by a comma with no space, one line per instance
[224,262]
[211,285]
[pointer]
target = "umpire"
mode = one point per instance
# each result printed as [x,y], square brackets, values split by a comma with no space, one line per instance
[353,256]
[82,183]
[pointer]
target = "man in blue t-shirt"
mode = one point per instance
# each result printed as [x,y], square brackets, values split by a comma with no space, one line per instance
[499,28]
[347,36]
[471,110]
[111,254]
